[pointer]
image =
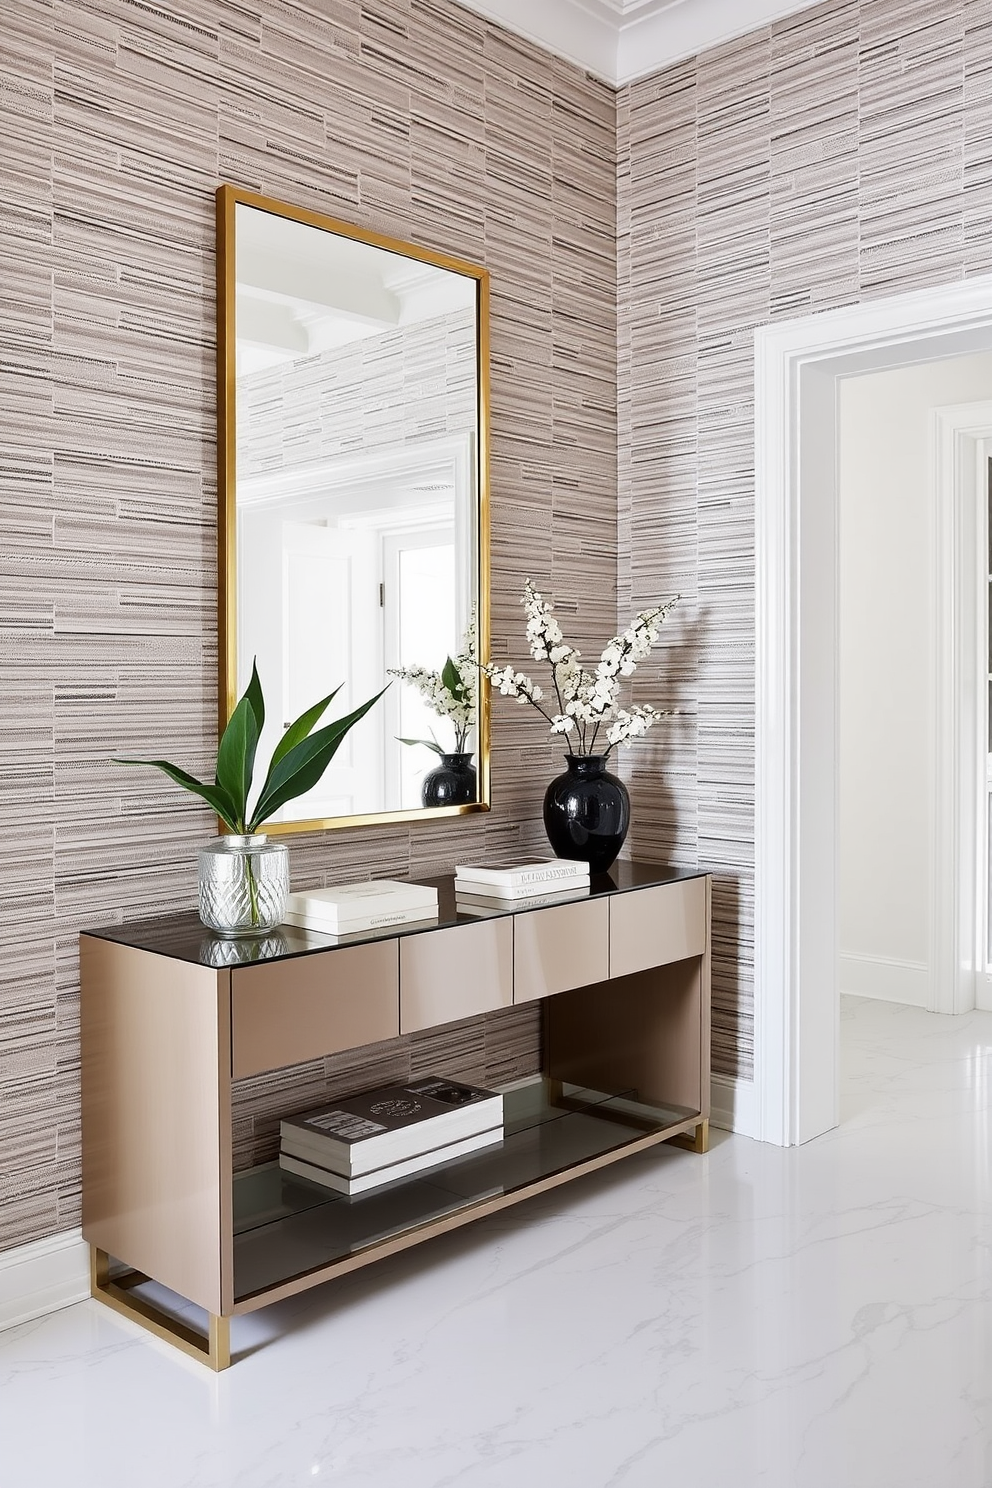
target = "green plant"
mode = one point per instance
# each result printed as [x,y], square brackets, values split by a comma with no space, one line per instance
[298,760]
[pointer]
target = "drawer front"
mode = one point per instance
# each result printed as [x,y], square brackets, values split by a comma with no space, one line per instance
[651,927]
[557,949]
[291,1011]
[451,974]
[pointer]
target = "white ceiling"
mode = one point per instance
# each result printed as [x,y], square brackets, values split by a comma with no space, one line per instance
[622,40]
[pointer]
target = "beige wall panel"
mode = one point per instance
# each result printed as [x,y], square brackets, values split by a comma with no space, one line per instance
[156,1116]
[654,926]
[644,1035]
[560,948]
[452,974]
[292,1011]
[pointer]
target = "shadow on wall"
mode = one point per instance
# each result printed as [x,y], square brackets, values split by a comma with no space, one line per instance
[677,818]
[661,771]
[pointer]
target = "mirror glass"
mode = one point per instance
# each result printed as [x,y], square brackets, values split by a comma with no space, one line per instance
[353,497]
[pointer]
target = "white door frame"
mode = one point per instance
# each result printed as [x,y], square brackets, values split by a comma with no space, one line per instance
[960,437]
[796,366]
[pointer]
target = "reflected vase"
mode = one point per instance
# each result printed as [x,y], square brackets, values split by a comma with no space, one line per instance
[243,885]
[451,783]
[587,812]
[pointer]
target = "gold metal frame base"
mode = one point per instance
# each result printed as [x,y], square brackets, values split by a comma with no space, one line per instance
[212,1348]
[697,1141]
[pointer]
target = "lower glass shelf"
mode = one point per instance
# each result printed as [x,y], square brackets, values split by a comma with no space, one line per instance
[286,1227]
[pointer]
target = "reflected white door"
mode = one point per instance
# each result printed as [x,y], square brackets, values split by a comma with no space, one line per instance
[331,630]
[421,629]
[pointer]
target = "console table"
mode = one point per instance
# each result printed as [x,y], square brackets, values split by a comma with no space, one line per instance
[171,1016]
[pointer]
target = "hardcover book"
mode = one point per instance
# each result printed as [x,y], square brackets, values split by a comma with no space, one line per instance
[390,1124]
[363,1182]
[517,872]
[342,929]
[517,894]
[361,906]
[470,899]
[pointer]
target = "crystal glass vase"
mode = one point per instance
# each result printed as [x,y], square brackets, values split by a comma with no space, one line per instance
[244,883]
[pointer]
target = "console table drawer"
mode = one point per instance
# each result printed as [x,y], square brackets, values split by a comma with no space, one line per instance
[652,927]
[557,949]
[290,1011]
[452,974]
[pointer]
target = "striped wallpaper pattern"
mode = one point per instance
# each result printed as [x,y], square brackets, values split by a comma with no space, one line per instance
[842,154]
[635,241]
[118,119]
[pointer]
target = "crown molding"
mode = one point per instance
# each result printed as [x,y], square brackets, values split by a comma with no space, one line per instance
[622,41]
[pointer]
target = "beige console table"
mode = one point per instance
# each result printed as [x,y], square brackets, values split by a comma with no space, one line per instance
[624,978]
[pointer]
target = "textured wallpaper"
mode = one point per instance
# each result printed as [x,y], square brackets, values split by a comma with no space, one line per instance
[840,155]
[408,386]
[843,154]
[118,121]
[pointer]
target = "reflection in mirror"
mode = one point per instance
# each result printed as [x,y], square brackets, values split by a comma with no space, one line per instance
[354,490]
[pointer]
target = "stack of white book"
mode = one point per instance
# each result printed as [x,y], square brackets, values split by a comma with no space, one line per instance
[348,909]
[520,883]
[380,1135]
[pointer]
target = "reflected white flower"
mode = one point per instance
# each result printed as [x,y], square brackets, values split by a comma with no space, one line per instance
[451,693]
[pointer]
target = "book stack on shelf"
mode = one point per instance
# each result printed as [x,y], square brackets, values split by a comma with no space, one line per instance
[496,886]
[377,1136]
[357,908]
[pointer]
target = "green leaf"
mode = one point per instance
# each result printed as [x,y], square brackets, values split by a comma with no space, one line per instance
[253,692]
[239,743]
[214,795]
[427,743]
[451,677]
[236,754]
[303,765]
[299,730]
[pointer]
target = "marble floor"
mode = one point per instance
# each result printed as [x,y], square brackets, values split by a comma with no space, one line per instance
[819,1317]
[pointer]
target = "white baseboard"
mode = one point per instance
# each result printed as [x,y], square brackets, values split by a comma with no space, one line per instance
[886,979]
[43,1276]
[734,1106]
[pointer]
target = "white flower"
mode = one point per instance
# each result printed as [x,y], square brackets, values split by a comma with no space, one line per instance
[453,692]
[586,700]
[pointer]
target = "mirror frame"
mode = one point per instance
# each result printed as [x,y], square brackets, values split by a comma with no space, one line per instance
[228,199]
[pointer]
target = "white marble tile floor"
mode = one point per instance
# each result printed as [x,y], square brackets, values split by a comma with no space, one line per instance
[819,1317]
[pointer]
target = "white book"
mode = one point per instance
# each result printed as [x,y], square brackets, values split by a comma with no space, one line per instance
[343,928]
[390,1124]
[378,1176]
[355,905]
[477,902]
[515,872]
[514,892]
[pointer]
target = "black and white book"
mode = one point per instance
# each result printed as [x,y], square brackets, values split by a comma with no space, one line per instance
[372,905]
[522,873]
[390,1124]
[376,1177]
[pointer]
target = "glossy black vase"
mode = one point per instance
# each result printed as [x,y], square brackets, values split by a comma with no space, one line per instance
[451,783]
[587,812]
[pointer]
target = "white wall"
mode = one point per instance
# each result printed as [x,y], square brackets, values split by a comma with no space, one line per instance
[887,689]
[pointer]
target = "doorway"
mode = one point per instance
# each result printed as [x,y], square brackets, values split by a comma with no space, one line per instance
[797,368]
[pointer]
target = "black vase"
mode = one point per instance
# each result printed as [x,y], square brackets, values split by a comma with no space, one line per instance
[587,812]
[451,783]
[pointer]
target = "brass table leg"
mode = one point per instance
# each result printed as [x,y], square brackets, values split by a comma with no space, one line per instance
[214,1350]
[697,1141]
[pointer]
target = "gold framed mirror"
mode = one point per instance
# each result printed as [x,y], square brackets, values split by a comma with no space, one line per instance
[353,446]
